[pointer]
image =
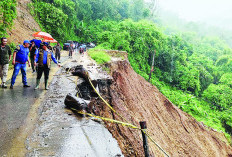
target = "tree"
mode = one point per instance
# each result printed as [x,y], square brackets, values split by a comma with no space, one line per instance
[7,15]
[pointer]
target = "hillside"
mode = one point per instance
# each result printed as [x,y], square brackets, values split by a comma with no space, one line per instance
[24,24]
[132,96]
[178,133]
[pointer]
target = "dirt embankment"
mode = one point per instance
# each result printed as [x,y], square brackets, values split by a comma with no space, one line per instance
[24,24]
[178,133]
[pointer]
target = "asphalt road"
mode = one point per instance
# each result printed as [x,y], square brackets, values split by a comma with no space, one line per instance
[36,123]
[15,105]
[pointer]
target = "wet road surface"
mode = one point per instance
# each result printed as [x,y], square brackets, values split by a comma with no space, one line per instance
[49,129]
[14,108]
[15,105]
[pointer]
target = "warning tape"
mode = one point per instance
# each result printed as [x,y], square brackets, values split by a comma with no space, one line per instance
[104,99]
[123,124]
[108,119]
[116,121]
[152,140]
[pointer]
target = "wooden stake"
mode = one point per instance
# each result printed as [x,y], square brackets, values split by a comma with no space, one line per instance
[143,126]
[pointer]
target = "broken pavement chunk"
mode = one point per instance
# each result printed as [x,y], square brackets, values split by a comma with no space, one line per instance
[71,101]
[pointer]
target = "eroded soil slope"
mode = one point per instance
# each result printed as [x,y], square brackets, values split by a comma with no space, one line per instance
[178,133]
[24,24]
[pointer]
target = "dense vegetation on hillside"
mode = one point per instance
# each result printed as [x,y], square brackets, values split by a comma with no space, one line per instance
[196,77]
[67,19]
[194,72]
[7,15]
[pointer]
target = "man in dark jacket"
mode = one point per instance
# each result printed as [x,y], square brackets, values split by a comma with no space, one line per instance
[70,48]
[5,57]
[57,49]
[33,52]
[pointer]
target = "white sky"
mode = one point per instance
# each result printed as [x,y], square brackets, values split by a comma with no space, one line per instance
[198,10]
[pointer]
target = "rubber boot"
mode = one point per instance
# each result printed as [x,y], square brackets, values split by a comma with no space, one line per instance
[46,85]
[4,85]
[37,84]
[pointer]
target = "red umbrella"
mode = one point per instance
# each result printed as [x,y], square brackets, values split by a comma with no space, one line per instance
[51,41]
[43,35]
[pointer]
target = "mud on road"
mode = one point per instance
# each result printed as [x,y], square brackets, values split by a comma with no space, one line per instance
[57,131]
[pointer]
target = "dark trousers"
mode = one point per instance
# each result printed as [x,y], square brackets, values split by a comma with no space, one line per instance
[40,71]
[32,63]
[57,55]
[81,50]
[70,53]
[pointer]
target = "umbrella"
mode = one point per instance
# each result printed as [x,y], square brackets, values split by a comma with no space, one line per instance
[37,42]
[43,35]
[51,41]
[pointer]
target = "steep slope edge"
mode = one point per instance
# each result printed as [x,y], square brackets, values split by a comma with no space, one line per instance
[24,24]
[178,133]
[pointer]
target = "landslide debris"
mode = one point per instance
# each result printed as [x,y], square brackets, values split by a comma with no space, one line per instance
[24,24]
[178,133]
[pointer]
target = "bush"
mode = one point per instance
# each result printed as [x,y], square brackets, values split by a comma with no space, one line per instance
[99,56]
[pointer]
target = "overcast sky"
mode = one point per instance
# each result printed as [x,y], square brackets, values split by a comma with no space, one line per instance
[199,10]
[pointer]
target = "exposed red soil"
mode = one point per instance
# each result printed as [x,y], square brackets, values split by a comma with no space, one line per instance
[178,133]
[24,24]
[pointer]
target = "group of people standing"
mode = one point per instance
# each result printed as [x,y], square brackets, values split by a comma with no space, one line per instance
[72,47]
[39,57]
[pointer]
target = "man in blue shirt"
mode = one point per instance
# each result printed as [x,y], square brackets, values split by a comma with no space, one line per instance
[43,58]
[20,57]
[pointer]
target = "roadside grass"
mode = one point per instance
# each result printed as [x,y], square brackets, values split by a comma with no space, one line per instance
[99,56]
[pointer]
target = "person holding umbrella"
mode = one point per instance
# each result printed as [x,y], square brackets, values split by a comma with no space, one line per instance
[43,59]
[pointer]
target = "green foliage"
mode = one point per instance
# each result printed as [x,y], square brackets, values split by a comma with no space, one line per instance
[219,95]
[192,70]
[197,107]
[140,39]
[226,79]
[7,15]
[99,56]
[52,18]
[187,72]
[66,20]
